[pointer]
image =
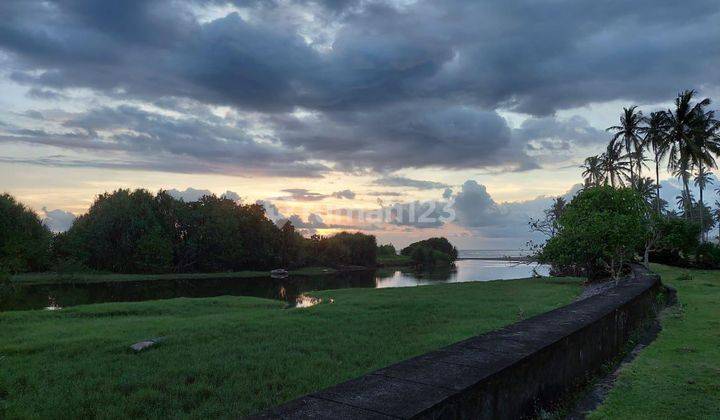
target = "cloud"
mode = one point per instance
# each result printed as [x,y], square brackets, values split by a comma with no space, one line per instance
[384,194]
[272,212]
[380,86]
[476,208]
[191,194]
[350,195]
[302,194]
[58,220]
[400,181]
[141,139]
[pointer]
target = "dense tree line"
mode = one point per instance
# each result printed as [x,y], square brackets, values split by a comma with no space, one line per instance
[140,232]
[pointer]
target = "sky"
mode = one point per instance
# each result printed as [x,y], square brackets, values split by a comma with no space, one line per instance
[336,114]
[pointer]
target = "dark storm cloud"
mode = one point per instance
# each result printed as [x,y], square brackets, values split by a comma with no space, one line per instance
[395,87]
[408,135]
[178,144]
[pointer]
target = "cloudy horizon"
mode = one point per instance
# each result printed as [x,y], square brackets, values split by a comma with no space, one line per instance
[353,104]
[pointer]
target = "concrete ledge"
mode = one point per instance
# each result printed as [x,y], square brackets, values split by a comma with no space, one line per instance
[508,373]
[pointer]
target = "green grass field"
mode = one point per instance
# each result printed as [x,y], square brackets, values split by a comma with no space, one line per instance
[232,356]
[54,278]
[677,375]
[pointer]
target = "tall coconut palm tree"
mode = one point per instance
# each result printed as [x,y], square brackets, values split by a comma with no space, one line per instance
[680,127]
[592,171]
[614,166]
[656,141]
[706,144]
[630,131]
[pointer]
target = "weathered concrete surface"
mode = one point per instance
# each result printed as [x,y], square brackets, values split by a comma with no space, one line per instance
[509,373]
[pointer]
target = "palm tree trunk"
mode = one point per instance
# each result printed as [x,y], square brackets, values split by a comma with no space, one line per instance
[701,206]
[657,182]
[688,201]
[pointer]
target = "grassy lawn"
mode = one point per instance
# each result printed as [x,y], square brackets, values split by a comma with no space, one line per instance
[678,375]
[231,356]
[54,278]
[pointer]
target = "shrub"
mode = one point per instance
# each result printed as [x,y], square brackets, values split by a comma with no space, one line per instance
[599,232]
[431,252]
[24,240]
[677,241]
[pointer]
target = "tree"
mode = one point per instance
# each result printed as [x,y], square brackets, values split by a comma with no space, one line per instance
[24,240]
[600,231]
[431,252]
[647,189]
[680,125]
[592,171]
[613,165]
[548,225]
[122,231]
[656,139]
[630,132]
[705,144]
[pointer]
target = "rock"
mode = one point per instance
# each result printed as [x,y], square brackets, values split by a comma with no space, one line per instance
[142,345]
[279,273]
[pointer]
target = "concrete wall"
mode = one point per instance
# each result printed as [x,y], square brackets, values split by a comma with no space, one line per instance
[509,373]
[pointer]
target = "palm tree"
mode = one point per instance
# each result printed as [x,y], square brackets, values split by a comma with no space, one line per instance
[680,129]
[685,202]
[705,143]
[656,140]
[629,131]
[683,172]
[702,179]
[593,170]
[646,188]
[613,165]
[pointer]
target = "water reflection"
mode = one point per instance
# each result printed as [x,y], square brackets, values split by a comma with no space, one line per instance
[465,270]
[289,289]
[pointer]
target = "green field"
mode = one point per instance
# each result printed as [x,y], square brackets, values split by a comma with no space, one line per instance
[54,278]
[677,375]
[232,356]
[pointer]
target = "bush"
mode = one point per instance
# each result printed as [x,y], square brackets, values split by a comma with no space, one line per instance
[677,241]
[344,249]
[431,252]
[24,240]
[707,255]
[599,233]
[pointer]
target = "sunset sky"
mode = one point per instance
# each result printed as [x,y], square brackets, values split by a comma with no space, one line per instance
[311,106]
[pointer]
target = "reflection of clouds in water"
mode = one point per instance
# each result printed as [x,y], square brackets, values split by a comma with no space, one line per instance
[467,270]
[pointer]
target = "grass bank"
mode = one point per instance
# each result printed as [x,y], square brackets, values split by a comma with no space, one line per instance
[677,375]
[232,356]
[55,278]
[394,261]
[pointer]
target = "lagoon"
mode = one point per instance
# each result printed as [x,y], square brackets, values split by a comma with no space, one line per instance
[15,296]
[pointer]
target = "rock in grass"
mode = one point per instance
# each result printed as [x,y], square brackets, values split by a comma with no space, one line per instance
[142,345]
